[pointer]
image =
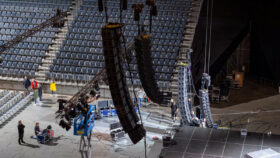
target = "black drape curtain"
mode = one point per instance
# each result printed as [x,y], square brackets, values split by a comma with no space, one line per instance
[265,38]
[232,20]
[228,25]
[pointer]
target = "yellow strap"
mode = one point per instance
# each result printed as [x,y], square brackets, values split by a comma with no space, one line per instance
[146,36]
[113,26]
[184,64]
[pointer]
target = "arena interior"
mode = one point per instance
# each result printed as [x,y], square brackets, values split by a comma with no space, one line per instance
[139,79]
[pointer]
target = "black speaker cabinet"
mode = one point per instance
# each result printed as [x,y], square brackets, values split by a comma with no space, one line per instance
[145,68]
[112,45]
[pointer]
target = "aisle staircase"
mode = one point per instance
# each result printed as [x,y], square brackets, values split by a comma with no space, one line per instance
[57,42]
[186,44]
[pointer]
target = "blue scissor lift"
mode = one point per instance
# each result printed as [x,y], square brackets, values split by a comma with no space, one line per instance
[83,128]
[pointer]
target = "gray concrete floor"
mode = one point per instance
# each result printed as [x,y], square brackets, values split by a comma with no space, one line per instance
[261,115]
[67,144]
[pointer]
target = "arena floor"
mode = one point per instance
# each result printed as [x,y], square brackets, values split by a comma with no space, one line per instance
[257,116]
[260,115]
[67,145]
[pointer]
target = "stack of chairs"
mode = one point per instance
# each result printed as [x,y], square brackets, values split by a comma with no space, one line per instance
[11,103]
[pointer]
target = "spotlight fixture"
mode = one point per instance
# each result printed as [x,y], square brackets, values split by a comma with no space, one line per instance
[65,125]
[96,86]
[152,4]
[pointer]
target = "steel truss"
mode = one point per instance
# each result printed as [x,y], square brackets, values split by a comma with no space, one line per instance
[185,94]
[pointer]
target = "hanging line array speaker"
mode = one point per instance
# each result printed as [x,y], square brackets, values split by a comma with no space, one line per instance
[112,45]
[145,68]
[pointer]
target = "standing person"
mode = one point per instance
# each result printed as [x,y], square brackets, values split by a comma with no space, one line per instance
[195,120]
[203,123]
[26,83]
[40,92]
[141,95]
[173,109]
[53,87]
[34,87]
[34,84]
[20,132]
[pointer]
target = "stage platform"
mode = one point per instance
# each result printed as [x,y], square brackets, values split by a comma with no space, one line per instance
[194,142]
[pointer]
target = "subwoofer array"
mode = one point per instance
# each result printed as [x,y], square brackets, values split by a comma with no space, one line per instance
[145,68]
[112,43]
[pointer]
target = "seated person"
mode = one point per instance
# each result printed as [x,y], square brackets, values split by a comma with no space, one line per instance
[36,130]
[194,121]
[48,133]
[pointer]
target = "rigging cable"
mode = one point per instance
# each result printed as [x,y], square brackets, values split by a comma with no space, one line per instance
[206,36]
[210,35]
[133,89]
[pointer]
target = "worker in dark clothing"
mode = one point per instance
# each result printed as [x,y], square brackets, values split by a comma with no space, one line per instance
[20,132]
[40,92]
[26,83]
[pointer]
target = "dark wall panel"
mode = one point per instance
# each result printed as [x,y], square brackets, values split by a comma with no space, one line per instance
[231,18]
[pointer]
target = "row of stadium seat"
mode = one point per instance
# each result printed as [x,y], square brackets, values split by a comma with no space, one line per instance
[77,65]
[31,46]
[11,7]
[128,12]
[21,58]
[20,65]
[24,15]
[17,72]
[37,6]
[92,54]
[23,26]
[160,6]
[93,37]
[158,29]
[14,32]
[30,40]
[43,1]
[74,45]
[80,75]
[24,52]
[69,76]
[89,24]
[129,19]
[97,61]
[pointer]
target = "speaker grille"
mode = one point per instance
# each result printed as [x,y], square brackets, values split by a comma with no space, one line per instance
[111,35]
[145,68]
